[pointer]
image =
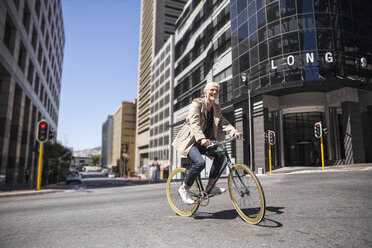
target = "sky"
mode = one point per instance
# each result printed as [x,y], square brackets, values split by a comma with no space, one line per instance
[100,66]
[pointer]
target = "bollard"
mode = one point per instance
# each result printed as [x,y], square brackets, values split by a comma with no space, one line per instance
[270,157]
[40,166]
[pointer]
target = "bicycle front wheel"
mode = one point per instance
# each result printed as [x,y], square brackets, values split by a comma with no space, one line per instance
[174,182]
[246,194]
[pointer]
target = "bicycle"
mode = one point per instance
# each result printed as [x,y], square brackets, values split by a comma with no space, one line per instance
[244,187]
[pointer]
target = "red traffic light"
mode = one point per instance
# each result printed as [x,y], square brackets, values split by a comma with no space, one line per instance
[42,132]
[271,137]
[318,129]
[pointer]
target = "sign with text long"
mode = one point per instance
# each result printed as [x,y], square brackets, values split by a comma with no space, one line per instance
[309,59]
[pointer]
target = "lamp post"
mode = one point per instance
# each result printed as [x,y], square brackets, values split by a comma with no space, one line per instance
[244,79]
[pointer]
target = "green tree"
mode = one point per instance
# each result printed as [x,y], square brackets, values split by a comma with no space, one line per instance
[95,160]
[56,162]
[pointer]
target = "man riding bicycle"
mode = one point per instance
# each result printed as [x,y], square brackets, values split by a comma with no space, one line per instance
[201,126]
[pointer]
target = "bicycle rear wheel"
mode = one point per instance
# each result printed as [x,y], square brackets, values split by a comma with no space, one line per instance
[246,194]
[175,180]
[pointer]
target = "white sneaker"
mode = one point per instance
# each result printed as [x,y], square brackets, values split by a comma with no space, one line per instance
[216,190]
[185,195]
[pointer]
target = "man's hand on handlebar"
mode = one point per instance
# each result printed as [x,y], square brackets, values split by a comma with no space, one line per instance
[239,135]
[205,142]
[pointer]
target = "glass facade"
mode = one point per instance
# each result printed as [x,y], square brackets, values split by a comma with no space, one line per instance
[277,42]
[209,43]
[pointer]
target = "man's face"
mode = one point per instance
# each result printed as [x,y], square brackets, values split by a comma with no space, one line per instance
[212,93]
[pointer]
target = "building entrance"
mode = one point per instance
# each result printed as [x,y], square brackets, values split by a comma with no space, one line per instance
[301,148]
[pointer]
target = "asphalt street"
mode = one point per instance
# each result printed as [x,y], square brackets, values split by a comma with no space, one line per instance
[303,210]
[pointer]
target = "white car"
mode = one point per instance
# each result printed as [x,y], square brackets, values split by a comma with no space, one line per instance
[73,176]
[112,175]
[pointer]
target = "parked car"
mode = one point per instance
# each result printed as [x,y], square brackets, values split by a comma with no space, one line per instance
[73,176]
[112,175]
[105,172]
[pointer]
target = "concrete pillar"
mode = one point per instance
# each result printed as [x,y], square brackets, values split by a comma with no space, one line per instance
[7,86]
[367,132]
[25,141]
[260,117]
[15,137]
[281,139]
[238,116]
[241,123]
[353,133]
[32,156]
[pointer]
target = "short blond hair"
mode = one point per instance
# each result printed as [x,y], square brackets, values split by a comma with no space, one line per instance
[210,84]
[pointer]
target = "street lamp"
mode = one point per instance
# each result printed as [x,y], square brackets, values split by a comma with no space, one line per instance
[244,79]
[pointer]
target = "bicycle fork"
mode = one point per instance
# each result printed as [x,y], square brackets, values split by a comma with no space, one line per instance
[244,190]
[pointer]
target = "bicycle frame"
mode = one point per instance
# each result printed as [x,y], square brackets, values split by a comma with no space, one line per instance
[227,163]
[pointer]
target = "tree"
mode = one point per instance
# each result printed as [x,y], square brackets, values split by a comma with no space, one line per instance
[56,162]
[95,160]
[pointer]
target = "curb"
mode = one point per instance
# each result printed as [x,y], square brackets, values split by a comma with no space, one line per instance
[27,193]
[345,169]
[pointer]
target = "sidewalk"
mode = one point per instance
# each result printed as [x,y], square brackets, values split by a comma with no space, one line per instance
[318,169]
[25,190]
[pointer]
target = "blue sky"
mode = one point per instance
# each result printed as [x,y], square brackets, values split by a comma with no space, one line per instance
[100,66]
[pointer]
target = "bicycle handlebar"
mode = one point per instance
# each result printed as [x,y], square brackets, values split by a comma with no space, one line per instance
[221,142]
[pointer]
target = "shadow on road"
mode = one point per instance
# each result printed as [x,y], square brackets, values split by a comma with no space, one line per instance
[269,212]
[274,210]
[224,215]
[232,214]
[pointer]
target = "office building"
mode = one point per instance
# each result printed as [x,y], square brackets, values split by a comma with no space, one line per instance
[303,62]
[158,19]
[32,41]
[106,154]
[124,138]
[202,54]
[162,104]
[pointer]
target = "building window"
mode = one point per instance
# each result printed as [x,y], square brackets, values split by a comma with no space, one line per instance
[30,72]
[34,38]
[9,34]
[26,17]
[37,8]
[16,3]
[22,57]
[37,85]
[42,27]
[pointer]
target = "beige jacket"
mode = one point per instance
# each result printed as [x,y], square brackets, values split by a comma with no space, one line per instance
[196,121]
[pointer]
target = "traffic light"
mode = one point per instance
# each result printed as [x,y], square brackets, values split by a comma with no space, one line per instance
[42,132]
[51,135]
[325,131]
[318,129]
[271,137]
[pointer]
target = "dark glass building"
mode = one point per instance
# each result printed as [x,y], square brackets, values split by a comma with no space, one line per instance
[32,40]
[303,61]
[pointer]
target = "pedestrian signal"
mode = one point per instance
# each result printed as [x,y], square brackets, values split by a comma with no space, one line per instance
[318,129]
[325,131]
[51,135]
[271,137]
[42,132]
